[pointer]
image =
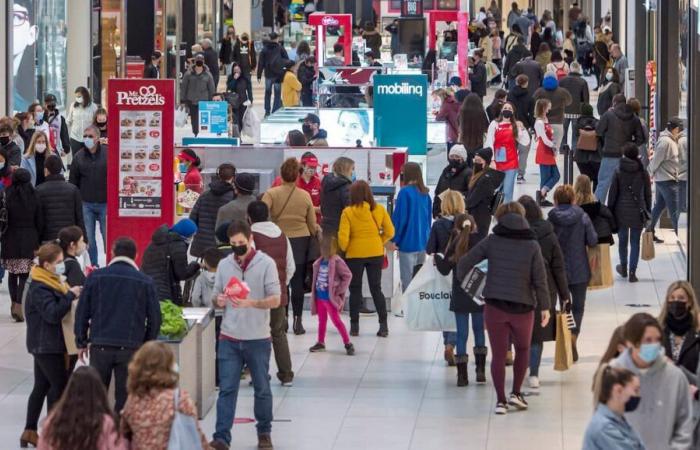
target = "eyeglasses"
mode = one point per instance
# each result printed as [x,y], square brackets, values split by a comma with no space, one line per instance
[19,18]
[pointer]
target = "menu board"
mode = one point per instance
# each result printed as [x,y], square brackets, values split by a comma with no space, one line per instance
[140,163]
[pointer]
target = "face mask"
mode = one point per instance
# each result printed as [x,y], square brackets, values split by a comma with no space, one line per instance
[239,250]
[2,165]
[507,114]
[39,117]
[51,106]
[209,276]
[353,177]
[182,167]
[236,76]
[81,249]
[176,368]
[609,76]
[60,268]
[79,100]
[4,140]
[632,403]
[199,63]
[478,167]
[101,124]
[455,163]
[89,142]
[649,352]
[306,128]
[40,148]
[677,309]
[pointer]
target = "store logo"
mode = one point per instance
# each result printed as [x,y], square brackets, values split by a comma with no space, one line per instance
[146,96]
[400,89]
[329,21]
[434,296]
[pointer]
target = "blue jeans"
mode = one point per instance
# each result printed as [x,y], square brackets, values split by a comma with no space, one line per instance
[605,174]
[549,176]
[232,357]
[407,262]
[535,358]
[633,235]
[449,338]
[682,196]
[271,84]
[667,196]
[509,184]
[463,331]
[92,213]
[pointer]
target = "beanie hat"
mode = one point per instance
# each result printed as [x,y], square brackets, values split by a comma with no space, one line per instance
[550,82]
[185,228]
[586,109]
[458,150]
[245,183]
[486,154]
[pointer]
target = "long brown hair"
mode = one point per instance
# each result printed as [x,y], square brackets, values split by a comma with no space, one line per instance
[606,378]
[513,120]
[77,419]
[617,339]
[463,227]
[472,122]
[360,192]
[583,191]
[412,174]
[152,367]
[693,308]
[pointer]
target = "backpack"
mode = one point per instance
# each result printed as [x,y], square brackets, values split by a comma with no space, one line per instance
[561,71]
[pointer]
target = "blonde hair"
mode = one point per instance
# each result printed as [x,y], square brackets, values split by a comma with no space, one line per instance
[508,208]
[583,189]
[693,308]
[35,137]
[452,203]
[343,166]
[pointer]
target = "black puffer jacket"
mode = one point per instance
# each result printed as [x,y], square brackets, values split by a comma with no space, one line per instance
[630,192]
[617,127]
[556,277]
[605,96]
[516,273]
[44,311]
[204,215]
[480,197]
[460,302]
[440,234]
[583,156]
[165,260]
[62,206]
[456,179]
[25,222]
[524,105]
[603,221]
[335,196]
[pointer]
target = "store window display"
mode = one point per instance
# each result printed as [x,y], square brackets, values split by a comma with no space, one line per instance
[24,36]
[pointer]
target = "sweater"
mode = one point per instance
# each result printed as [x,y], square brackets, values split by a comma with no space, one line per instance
[411,217]
[291,90]
[363,233]
[292,210]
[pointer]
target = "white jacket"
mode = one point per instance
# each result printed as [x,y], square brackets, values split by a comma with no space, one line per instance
[79,118]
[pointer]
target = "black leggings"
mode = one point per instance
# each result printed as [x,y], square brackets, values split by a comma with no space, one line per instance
[16,284]
[300,248]
[373,267]
[50,378]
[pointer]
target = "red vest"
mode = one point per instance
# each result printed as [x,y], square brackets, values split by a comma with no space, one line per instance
[545,154]
[504,139]
[275,248]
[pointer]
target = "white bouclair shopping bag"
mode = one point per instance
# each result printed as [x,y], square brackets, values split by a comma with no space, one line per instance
[426,302]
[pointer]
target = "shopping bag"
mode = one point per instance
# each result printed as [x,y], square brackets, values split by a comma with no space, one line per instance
[251,125]
[601,268]
[180,117]
[475,281]
[183,431]
[492,71]
[563,354]
[648,252]
[426,302]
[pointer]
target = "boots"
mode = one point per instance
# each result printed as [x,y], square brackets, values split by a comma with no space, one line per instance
[383,329]
[621,270]
[633,277]
[29,437]
[574,350]
[480,359]
[298,327]
[354,328]
[450,354]
[16,312]
[462,374]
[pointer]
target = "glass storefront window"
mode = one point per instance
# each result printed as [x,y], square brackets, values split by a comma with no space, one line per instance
[205,20]
[51,49]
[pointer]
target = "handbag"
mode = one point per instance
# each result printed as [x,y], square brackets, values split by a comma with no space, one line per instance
[385,261]
[496,200]
[587,140]
[183,432]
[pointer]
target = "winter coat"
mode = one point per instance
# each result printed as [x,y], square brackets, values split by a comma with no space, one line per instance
[89,172]
[617,127]
[524,104]
[666,163]
[238,86]
[335,196]
[236,209]
[291,89]
[151,71]
[165,260]
[363,233]
[480,197]
[454,179]
[197,87]
[516,272]
[226,50]
[534,73]
[292,210]
[560,99]
[271,53]
[319,140]
[605,96]
[575,231]
[30,164]
[556,278]
[62,206]
[78,119]
[630,193]
[478,80]
[516,54]
[244,55]
[14,154]
[449,113]
[269,239]
[577,87]
[583,156]
[460,301]
[306,76]
[44,310]
[339,277]
[204,214]
[211,59]
[603,221]
[411,218]
[25,220]
[689,355]
[440,234]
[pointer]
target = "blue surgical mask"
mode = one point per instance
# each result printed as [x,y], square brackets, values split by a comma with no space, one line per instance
[60,268]
[89,142]
[182,167]
[353,177]
[650,352]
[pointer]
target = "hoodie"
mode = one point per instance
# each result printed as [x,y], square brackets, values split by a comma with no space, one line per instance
[335,196]
[319,140]
[559,97]
[664,417]
[665,165]
[411,217]
[630,192]
[524,105]
[204,214]
[617,127]
[575,231]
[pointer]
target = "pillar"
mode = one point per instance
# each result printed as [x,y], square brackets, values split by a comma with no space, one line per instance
[637,54]
[4,46]
[693,149]
[79,44]
[668,83]
[242,16]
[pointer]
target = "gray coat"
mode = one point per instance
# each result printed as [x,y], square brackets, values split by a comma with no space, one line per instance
[575,231]
[197,87]
[666,163]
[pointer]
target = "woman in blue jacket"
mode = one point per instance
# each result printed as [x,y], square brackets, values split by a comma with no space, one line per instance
[411,217]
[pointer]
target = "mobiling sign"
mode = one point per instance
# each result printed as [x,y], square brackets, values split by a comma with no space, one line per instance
[400,103]
[145,96]
[404,88]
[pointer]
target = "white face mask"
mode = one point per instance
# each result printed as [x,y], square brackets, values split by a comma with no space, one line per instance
[60,268]
[209,276]
[40,148]
[609,76]
[78,99]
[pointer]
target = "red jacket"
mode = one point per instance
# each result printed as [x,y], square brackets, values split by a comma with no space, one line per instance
[339,277]
[449,112]
[193,180]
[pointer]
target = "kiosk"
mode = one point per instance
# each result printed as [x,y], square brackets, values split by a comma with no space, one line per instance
[461,18]
[321,22]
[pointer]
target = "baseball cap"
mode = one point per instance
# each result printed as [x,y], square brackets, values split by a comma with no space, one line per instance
[313,118]
[309,160]
[675,122]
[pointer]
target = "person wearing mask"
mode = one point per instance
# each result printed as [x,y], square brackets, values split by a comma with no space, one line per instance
[335,195]
[71,239]
[270,62]
[89,173]
[519,96]
[154,399]
[663,417]
[556,282]
[315,135]
[62,204]
[665,168]
[245,333]
[197,85]
[81,114]
[601,217]
[291,87]
[679,320]
[610,87]
[494,109]
[226,52]
[244,55]
[616,128]
[577,87]
[411,218]
[504,135]
[244,195]
[528,66]
[189,165]
[57,127]
[546,152]
[448,113]
[473,124]
[34,158]
[454,177]
[238,84]
[308,180]
[482,187]
[544,55]
[365,228]
[39,114]
[630,202]
[559,99]
[5,172]
[205,212]
[101,123]
[477,74]
[14,154]
[513,254]
[151,68]
[306,72]
[68,425]
[616,394]
[588,156]
[293,211]
[118,311]
[25,128]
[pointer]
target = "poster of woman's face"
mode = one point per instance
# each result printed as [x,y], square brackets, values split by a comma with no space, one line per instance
[24,34]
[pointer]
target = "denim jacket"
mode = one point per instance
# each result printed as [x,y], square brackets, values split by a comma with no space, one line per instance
[608,430]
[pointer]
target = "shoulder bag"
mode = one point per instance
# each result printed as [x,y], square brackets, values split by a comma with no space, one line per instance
[587,140]
[278,215]
[183,432]
[385,262]
[644,213]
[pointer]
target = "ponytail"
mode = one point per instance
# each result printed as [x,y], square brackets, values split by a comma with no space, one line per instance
[464,226]
[606,377]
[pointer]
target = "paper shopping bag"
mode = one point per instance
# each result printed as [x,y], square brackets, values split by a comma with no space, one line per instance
[426,302]
[563,354]
[601,268]
[648,252]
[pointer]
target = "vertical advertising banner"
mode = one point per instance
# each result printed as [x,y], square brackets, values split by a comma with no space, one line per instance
[401,111]
[24,37]
[140,174]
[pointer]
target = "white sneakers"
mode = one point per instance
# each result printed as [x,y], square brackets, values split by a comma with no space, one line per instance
[533,382]
[518,401]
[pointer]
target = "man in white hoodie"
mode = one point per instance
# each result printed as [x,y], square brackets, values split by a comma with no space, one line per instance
[665,168]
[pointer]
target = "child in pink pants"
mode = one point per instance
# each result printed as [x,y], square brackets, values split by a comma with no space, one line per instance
[331,278]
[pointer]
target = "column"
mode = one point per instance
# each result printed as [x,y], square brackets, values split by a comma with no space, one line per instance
[79,47]
[242,17]
[693,156]
[4,45]
[637,53]
[668,83]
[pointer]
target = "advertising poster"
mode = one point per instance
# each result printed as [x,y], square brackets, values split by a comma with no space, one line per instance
[401,103]
[348,127]
[24,36]
[213,118]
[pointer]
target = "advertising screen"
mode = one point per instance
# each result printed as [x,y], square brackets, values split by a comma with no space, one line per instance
[347,126]
[24,36]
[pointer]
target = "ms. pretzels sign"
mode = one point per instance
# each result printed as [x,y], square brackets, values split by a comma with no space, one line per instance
[143,96]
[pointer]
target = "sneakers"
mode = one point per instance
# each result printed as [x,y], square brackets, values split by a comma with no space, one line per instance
[349,349]
[518,401]
[521,179]
[533,382]
[265,442]
[633,277]
[621,270]
[318,347]
[501,409]
[287,383]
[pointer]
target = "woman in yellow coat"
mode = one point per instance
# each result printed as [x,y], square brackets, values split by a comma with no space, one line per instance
[365,227]
[291,87]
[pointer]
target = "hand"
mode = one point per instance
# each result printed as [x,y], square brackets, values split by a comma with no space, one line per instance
[76,290]
[221,300]
[82,354]
[693,390]
[545,318]
[242,303]
[391,246]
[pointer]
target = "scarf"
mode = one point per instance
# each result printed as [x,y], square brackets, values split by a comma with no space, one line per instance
[51,280]
[679,326]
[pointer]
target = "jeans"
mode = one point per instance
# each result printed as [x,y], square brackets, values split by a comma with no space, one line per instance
[463,331]
[107,359]
[357,267]
[271,84]
[574,132]
[254,354]
[50,379]
[549,176]
[509,185]
[194,117]
[605,174]
[523,152]
[407,263]
[278,323]
[449,338]
[667,196]
[631,235]
[682,196]
[578,304]
[92,213]
[535,359]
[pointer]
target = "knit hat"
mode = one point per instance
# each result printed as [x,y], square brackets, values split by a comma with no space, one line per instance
[550,82]
[185,228]
[245,183]
[458,150]
[586,109]
[455,81]
[486,154]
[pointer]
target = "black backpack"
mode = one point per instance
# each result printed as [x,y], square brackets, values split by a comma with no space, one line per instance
[276,64]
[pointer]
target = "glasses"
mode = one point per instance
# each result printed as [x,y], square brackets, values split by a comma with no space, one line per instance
[19,18]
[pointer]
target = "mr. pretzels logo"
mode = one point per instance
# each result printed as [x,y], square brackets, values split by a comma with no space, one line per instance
[329,21]
[400,89]
[146,96]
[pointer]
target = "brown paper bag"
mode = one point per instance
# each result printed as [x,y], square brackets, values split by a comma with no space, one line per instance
[67,325]
[648,251]
[601,267]
[563,354]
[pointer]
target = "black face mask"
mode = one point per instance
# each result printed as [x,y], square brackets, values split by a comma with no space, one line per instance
[632,403]
[677,320]
[678,309]
[199,63]
[306,129]
[507,114]
[239,250]
[455,163]
[4,140]
[478,167]
[101,124]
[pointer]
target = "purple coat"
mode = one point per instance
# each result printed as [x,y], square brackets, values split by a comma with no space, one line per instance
[339,277]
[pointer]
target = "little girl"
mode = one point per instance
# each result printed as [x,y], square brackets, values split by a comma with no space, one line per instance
[331,278]
[546,152]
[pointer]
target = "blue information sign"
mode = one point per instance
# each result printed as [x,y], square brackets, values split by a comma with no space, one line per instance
[213,118]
